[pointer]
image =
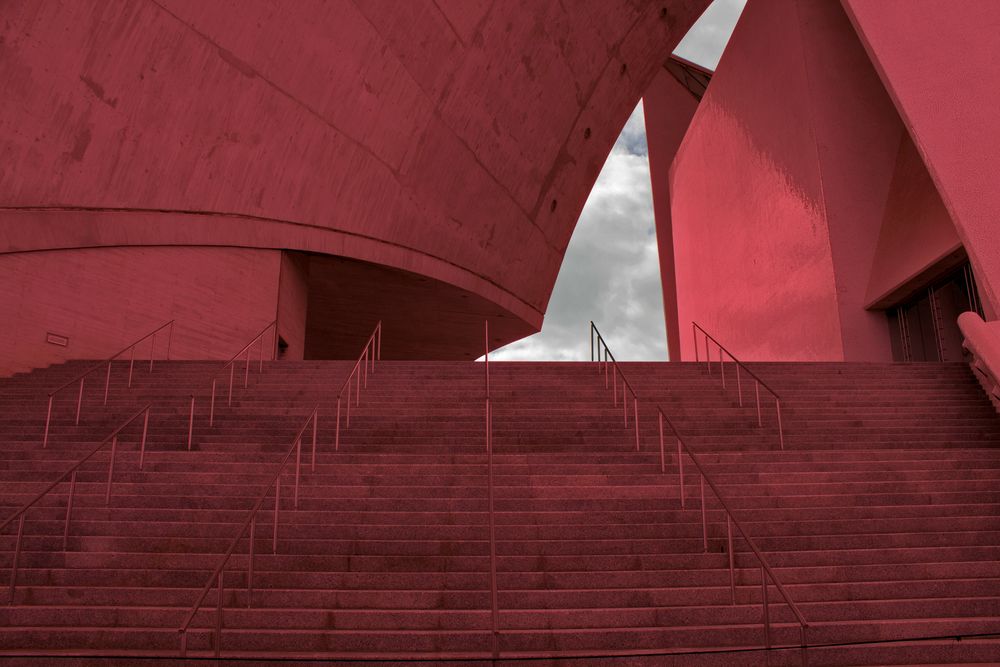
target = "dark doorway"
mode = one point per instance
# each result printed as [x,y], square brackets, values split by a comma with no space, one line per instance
[925,327]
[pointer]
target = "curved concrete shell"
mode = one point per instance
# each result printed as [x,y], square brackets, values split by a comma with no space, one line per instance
[455,141]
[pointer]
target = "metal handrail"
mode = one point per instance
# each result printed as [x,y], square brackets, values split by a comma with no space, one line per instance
[595,334]
[766,571]
[231,365]
[107,378]
[216,578]
[374,343]
[494,604]
[731,520]
[758,383]
[71,472]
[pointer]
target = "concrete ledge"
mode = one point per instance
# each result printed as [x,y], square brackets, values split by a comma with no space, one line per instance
[982,340]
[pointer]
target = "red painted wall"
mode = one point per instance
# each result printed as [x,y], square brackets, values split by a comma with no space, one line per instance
[917,234]
[105,299]
[779,188]
[938,60]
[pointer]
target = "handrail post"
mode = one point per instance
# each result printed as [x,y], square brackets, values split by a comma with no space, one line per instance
[17,554]
[614,385]
[732,556]
[253,535]
[364,364]
[79,401]
[277,503]
[739,387]
[336,437]
[152,350]
[131,363]
[347,420]
[232,369]
[315,428]
[246,370]
[722,368]
[708,355]
[624,401]
[69,510]
[663,462]
[704,517]
[107,383]
[142,444]
[260,340]
[803,646]
[357,392]
[635,419]
[680,469]
[767,618]
[756,389]
[218,616]
[298,468]
[111,469]
[592,341]
[211,406]
[170,338]
[694,334]
[486,325]
[48,418]
[494,604]
[191,422]
[781,435]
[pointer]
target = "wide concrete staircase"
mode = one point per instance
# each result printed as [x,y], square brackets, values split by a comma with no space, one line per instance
[880,517]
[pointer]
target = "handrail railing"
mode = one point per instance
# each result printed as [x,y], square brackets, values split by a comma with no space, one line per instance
[595,335]
[766,571]
[231,365]
[758,383]
[107,376]
[71,473]
[494,604]
[216,578]
[372,351]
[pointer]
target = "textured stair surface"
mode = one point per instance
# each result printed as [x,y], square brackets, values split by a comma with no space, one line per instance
[880,516]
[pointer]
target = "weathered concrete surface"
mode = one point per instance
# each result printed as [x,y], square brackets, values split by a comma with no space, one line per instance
[454,140]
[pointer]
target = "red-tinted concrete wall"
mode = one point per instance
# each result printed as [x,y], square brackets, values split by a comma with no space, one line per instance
[453,140]
[917,236]
[938,60]
[104,299]
[293,302]
[779,188]
[668,108]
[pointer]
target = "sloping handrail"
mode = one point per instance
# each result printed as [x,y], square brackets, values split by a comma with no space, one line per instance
[216,578]
[758,383]
[107,378]
[766,571]
[371,351]
[20,513]
[595,336]
[231,365]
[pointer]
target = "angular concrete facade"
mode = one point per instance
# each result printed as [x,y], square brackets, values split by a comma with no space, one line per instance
[833,170]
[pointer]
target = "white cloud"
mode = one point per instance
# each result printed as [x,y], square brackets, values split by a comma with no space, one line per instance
[708,37]
[611,270]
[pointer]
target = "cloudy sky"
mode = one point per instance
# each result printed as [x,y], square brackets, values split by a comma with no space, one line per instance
[611,271]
